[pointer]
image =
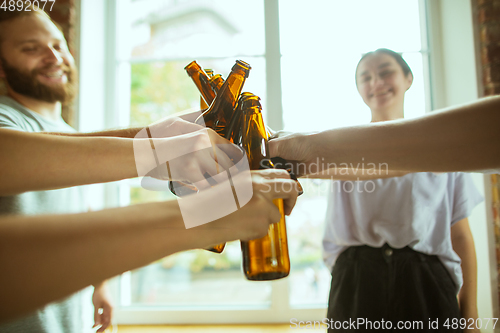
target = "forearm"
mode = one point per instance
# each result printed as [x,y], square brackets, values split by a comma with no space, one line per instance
[468,294]
[45,258]
[355,174]
[190,115]
[464,138]
[118,133]
[33,161]
[463,245]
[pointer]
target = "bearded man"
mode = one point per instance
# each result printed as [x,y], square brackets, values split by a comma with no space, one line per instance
[40,75]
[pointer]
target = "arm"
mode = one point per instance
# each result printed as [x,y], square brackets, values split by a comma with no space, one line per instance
[355,174]
[45,258]
[35,162]
[462,138]
[463,245]
[117,133]
[182,123]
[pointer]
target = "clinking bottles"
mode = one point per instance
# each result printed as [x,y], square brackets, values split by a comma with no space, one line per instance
[218,115]
[221,109]
[265,258]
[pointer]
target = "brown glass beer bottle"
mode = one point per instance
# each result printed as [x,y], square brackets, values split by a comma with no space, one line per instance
[201,80]
[219,114]
[216,82]
[265,258]
[203,104]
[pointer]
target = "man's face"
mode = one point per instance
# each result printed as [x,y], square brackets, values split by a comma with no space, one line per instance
[35,60]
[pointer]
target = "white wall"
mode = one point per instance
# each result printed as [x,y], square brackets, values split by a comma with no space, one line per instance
[455,81]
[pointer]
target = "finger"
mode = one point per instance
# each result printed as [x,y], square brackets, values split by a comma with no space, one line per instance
[289,204]
[106,319]
[272,173]
[110,310]
[223,161]
[202,181]
[232,151]
[229,148]
[274,147]
[273,213]
[265,212]
[278,188]
[97,317]
[274,216]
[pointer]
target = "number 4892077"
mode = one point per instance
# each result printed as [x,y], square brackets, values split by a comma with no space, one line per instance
[25,5]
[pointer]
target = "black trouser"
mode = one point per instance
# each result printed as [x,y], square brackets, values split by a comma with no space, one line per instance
[403,286]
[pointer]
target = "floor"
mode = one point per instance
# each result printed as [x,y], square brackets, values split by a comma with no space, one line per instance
[210,329]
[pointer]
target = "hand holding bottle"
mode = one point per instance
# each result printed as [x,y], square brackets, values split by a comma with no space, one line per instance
[294,148]
[193,157]
[277,184]
[253,219]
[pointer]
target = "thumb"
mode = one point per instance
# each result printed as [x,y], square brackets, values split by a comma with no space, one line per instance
[274,147]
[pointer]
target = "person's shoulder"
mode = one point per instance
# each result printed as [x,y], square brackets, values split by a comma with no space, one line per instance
[7,103]
[10,115]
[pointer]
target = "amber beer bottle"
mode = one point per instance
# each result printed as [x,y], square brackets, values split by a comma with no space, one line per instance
[265,258]
[219,114]
[216,82]
[201,80]
[210,74]
[233,132]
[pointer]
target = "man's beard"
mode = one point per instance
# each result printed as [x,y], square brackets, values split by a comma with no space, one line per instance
[27,84]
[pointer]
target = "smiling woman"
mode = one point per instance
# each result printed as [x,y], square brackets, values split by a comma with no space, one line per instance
[367,236]
[382,79]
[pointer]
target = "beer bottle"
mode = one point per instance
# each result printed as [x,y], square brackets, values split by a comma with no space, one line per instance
[219,114]
[233,132]
[216,82]
[203,105]
[200,79]
[210,74]
[265,258]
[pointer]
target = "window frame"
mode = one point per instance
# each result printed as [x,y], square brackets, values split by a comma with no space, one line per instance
[114,98]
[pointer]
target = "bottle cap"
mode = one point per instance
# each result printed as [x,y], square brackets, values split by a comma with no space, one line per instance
[250,101]
[192,68]
[241,65]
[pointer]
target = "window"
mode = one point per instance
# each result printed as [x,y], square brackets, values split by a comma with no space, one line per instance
[304,74]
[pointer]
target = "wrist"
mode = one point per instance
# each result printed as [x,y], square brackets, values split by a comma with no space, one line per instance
[315,155]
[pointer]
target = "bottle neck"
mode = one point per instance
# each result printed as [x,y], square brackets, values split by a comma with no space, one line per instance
[254,139]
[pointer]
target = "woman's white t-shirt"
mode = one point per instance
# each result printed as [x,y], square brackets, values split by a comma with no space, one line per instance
[415,210]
